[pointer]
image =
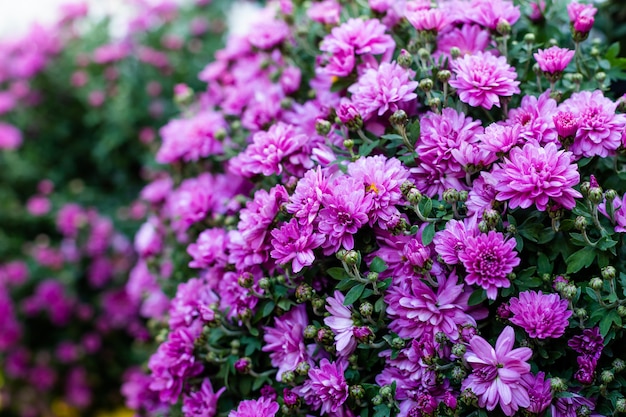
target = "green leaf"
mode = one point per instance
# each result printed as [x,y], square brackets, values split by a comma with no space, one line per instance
[608,320]
[346,284]
[380,305]
[367,148]
[428,234]
[354,294]
[381,410]
[285,304]
[477,297]
[543,264]
[338,273]
[580,259]
[392,136]
[268,308]
[378,265]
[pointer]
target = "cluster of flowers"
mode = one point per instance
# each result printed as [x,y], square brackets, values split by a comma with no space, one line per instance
[382,209]
[79,108]
[65,309]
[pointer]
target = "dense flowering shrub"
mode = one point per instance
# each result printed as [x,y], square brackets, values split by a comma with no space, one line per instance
[79,109]
[402,208]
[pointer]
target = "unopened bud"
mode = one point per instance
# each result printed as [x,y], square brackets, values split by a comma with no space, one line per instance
[348,144]
[455,52]
[621,311]
[426,84]
[414,196]
[357,392]
[607,377]
[503,27]
[529,38]
[386,391]
[265,283]
[366,309]
[318,303]
[423,53]
[303,368]
[610,195]
[620,405]
[569,291]
[581,313]
[459,350]
[304,292]
[600,76]
[351,258]
[608,272]
[246,280]
[557,384]
[372,276]
[243,365]
[220,134]
[580,223]
[483,226]
[618,365]
[288,377]
[310,332]
[399,118]
[458,374]
[451,196]
[322,127]
[577,78]
[463,195]
[405,59]
[596,284]
[444,76]
[595,195]
[377,400]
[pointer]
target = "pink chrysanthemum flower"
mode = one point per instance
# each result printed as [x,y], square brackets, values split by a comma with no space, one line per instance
[10,136]
[433,20]
[482,195]
[483,78]
[470,39]
[382,179]
[326,12]
[554,59]
[497,373]
[209,250]
[203,402]
[346,210]
[341,323]
[539,391]
[599,127]
[540,315]
[488,259]
[267,33]
[488,13]
[285,341]
[499,138]
[295,242]
[326,387]
[534,118]
[451,241]
[417,311]
[383,89]
[263,407]
[581,16]
[306,201]
[537,175]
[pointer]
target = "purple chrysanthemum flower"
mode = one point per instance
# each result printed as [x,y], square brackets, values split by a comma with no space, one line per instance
[355,37]
[404,255]
[187,305]
[488,13]
[203,402]
[496,373]
[306,201]
[235,299]
[452,241]
[470,39]
[488,259]
[174,363]
[268,150]
[553,60]
[569,405]
[383,89]
[539,391]
[267,33]
[341,323]
[537,175]
[590,343]
[442,133]
[255,219]
[285,341]
[433,20]
[599,129]
[417,311]
[346,210]
[382,179]
[581,16]
[540,315]
[483,78]
[262,407]
[326,387]
[534,118]
[295,242]
[209,250]
[499,138]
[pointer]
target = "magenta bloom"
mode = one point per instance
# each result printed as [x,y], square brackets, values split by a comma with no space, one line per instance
[417,310]
[326,387]
[346,210]
[539,391]
[10,136]
[434,20]
[295,242]
[263,407]
[285,341]
[537,175]
[202,403]
[497,373]
[499,138]
[541,315]
[382,179]
[488,13]
[483,78]
[326,12]
[383,89]
[554,59]
[590,343]
[470,39]
[306,201]
[341,323]
[599,130]
[581,16]
[268,150]
[268,33]
[488,259]
[452,241]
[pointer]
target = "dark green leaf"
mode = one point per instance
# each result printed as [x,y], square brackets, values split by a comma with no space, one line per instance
[338,273]
[354,294]
[346,284]
[543,264]
[268,308]
[381,410]
[477,297]
[378,265]
[608,320]
[428,234]
[580,259]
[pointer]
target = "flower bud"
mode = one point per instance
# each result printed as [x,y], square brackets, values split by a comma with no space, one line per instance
[377,400]
[620,405]
[610,195]
[265,283]
[434,102]
[399,118]
[455,52]
[325,336]
[303,368]
[577,78]
[583,411]
[414,196]
[581,313]
[220,134]
[607,377]
[569,291]
[366,309]
[440,337]
[405,59]
[595,195]
[557,384]
[304,292]
[459,349]
[492,217]
[621,311]
[357,392]
[288,377]
[322,127]
[529,38]
[398,343]
[483,226]
[426,84]
[468,397]
[618,365]
[351,258]
[503,27]
[372,276]
[451,196]
[363,334]
[290,398]
[608,272]
[463,195]
[584,188]
[458,374]
[580,223]
[310,332]
[318,303]
[596,284]
[444,76]
[245,280]
[423,53]
[386,391]
[243,365]
[348,144]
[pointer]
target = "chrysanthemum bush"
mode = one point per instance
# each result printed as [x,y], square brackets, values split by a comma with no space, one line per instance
[79,107]
[392,208]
